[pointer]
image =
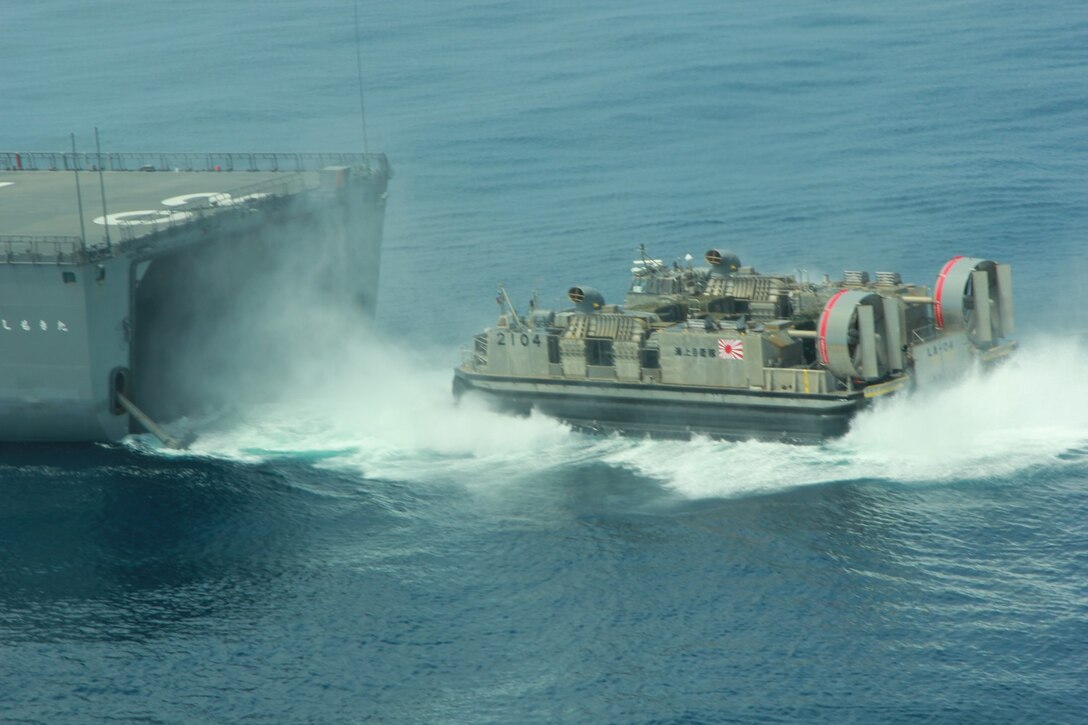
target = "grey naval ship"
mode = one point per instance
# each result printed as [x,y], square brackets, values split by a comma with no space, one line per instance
[730,353]
[112,264]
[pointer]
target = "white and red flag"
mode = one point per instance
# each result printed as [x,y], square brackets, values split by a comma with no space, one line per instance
[731,349]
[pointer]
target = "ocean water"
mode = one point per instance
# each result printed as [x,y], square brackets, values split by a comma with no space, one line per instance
[348,546]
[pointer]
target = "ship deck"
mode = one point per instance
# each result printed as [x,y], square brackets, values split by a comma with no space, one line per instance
[144,193]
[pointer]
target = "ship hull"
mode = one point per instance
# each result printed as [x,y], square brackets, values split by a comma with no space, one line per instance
[669,411]
[192,255]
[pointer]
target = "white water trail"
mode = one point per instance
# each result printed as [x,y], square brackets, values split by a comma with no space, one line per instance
[1029,412]
[386,411]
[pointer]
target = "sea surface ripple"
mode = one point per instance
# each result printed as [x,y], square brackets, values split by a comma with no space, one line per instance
[344,544]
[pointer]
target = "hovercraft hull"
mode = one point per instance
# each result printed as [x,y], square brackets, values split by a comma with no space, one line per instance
[730,353]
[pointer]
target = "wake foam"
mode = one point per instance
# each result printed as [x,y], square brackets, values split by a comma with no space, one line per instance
[370,404]
[1030,412]
[388,412]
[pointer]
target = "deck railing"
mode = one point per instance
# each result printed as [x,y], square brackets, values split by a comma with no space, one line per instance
[22,249]
[60,161]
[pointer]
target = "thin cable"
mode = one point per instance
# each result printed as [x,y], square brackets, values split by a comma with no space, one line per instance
[359,69]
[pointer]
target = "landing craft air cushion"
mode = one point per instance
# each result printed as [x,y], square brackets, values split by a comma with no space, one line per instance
[731,353]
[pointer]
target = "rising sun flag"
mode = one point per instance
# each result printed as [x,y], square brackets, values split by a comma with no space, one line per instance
[729,349]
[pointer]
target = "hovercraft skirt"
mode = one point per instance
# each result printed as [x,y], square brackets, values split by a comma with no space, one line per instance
[670,411]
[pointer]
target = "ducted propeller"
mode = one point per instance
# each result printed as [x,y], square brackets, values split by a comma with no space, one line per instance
[852,338]
[974,295]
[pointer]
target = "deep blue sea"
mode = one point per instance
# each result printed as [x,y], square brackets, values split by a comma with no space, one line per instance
[348,546]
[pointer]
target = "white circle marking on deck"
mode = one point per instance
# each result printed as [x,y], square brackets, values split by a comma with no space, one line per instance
[212,197]
[144,216]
